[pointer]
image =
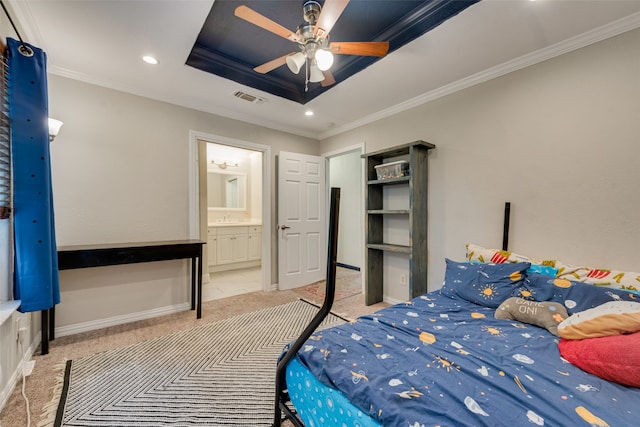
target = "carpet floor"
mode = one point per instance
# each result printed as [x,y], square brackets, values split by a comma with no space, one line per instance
[40,384]
[348,284]
[217,374]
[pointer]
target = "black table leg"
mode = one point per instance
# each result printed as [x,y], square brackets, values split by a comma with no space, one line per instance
[44,345]
[52,323]
[199,312]
[194,297]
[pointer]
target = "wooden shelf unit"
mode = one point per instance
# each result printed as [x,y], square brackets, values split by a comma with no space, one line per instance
[416,153]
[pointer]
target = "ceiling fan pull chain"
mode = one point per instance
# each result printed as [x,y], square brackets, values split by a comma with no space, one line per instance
[306,75]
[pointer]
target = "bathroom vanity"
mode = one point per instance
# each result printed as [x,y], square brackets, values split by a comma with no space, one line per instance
[234,245]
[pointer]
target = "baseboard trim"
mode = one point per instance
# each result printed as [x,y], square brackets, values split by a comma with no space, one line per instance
[119,320]
[390,300]
[350,267]
[234,266]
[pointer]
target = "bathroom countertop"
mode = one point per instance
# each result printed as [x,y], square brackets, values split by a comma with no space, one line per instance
[234,224]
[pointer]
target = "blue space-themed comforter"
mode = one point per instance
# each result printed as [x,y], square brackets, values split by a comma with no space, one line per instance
[439,361]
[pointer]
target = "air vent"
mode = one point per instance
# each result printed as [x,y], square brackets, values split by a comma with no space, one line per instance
[248,97]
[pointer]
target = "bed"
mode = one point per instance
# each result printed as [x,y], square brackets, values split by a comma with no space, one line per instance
[481,351]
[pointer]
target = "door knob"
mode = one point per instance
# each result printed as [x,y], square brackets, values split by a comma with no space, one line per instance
[284,227]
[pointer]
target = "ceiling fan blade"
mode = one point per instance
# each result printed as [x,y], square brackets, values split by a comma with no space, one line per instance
[360,48]
[328,79]
[273,64]
[262,21]
[331,11]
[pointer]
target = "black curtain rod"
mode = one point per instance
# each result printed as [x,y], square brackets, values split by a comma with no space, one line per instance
[6,12]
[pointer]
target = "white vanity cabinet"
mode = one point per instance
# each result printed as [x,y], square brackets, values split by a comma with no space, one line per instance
[211,245]
[232,247]
[232,244]
[254,246]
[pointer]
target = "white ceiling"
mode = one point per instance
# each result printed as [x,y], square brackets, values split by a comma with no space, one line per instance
[102,42]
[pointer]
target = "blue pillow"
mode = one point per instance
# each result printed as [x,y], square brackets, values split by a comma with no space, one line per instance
[575,296]
[542,269]
[484,284]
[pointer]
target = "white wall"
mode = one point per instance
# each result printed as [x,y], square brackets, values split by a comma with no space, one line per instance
[255,185]
[345,171]
[120,173]
[560,140]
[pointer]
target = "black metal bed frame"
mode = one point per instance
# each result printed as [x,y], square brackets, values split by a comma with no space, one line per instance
[282,395]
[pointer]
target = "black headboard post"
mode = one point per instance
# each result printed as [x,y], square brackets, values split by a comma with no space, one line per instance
[505,231]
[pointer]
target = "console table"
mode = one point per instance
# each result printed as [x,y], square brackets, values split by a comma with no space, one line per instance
[84,256]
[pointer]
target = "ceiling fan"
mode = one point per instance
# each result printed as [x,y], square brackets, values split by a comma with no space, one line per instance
[316,51]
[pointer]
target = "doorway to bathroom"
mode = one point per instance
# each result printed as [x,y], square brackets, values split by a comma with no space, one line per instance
[232,180]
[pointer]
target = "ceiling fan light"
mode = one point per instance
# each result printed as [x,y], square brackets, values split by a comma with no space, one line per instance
[295,62]
[315,75]
[324,59]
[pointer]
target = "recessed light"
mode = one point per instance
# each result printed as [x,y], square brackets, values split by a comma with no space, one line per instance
[308,113]
[150,60]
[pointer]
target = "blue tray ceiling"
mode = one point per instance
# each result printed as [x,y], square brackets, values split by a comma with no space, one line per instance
[231,47]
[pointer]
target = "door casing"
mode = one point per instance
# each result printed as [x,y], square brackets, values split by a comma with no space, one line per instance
[195,231]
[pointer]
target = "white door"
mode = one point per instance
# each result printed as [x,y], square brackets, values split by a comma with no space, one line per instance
[301,223]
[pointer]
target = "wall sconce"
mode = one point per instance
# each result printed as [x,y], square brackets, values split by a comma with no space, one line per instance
[54,128]
[224,164]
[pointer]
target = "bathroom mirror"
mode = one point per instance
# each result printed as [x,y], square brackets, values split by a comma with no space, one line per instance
[226,190]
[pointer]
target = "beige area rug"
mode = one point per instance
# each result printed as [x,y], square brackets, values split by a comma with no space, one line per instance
[348,284]
[218,374]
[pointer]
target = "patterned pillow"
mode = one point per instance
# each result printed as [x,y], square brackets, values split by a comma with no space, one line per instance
[612,278]
[484,284]
[542,269]
[625,280]
[545,314]
[499,256]
[575,296]
[607,357]
[612,318]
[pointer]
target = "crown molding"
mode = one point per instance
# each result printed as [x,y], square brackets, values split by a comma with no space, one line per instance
[604,32]
[242,117]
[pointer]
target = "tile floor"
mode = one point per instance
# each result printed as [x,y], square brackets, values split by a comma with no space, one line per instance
[233,282]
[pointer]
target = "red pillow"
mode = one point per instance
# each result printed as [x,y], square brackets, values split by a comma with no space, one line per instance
[607,357]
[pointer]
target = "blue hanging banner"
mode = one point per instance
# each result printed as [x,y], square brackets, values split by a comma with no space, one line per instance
[36,257]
